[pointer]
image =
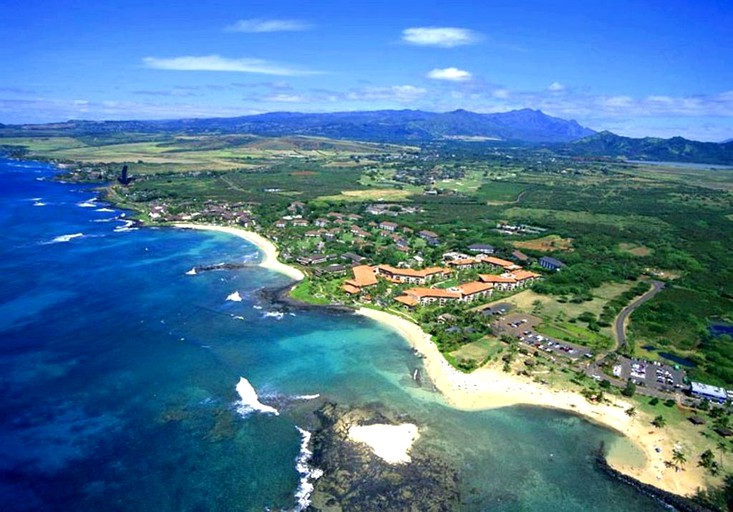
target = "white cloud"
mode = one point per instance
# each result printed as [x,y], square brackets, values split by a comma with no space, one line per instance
[445,37]
[261,25]
[285,98]
[501,94]
[556,87]
[399,93]
[218,63]
[451,74]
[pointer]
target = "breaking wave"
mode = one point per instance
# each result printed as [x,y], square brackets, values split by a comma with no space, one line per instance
[64,238]
[234,297]
[307,473]
[249,401]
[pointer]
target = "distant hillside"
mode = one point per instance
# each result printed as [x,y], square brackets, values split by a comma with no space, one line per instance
[676,149]
[379,126]
[727,141]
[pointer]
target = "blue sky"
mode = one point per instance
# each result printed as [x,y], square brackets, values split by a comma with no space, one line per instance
[635,67]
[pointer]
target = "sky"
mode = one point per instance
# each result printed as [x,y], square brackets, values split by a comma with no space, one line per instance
[634,67]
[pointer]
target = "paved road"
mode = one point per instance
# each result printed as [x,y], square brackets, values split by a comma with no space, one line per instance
[657,286]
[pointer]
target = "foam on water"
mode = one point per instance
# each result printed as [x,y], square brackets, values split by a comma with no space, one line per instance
[91,203]
[234,297]
[104,210]
[191,272]
[274,314]
[127,226]
[307,473]
[40,203]
[249,401]
[307,397]
[64,238]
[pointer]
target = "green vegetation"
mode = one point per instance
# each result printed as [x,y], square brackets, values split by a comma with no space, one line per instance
[626,222]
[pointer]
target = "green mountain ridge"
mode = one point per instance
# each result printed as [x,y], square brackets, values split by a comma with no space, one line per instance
[675,149]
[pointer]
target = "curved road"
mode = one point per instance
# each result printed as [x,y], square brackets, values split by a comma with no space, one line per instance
[657,287]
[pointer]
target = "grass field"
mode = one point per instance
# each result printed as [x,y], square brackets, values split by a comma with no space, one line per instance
[635,249]
[538,215]
[479,351]
[549,243]
[360,196]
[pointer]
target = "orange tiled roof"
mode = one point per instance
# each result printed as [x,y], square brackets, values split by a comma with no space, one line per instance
[438,293]
[363,276]
[350,289]
[407,300]
[464,261]
[521,275]
[490,278]
[474,287]
[497,261]
[414,273]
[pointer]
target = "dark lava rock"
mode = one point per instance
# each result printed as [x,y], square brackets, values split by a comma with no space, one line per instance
[354,479]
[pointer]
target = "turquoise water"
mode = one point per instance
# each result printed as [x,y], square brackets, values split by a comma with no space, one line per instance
[118,372]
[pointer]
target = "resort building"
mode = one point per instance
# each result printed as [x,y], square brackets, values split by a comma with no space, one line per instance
[525,277]
[408,275]
[550,263]
[498,262]
[364,277]
[313,259]
[520,257]
[462,264]
[424,296]
[474,290]
[509,281]
[481,249]
[503,283]
[388,226]
[357,231]
[430,237]
[321,223]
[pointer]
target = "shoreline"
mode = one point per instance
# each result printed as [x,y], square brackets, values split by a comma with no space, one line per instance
[488,388]
[268,249]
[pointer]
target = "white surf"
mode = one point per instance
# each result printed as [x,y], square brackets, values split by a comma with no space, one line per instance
[249,401]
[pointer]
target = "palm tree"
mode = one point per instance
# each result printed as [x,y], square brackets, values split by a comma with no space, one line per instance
[678,459]
[631,412]
[659,421]
[723,447]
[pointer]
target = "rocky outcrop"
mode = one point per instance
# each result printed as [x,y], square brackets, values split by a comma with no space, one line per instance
[354,479]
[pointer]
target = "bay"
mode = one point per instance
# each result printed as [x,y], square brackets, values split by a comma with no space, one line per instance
[118,372]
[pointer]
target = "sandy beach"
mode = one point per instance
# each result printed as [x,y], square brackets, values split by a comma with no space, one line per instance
[270,252]
[392,443]
[488,388]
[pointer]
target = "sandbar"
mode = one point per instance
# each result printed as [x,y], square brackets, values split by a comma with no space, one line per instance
[269,251]
[392,443]
[490,388]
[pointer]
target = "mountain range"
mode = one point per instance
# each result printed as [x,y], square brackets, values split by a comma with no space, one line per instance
[525,126]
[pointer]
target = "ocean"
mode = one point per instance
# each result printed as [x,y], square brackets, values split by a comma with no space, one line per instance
[130,384]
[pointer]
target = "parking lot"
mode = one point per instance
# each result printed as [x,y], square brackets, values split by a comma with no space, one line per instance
[650,374]
[522,327]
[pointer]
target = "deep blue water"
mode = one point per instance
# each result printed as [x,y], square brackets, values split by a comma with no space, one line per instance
[118,375]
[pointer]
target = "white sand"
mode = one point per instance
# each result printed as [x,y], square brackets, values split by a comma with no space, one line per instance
[269,259]
[488,388]
[392,443]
